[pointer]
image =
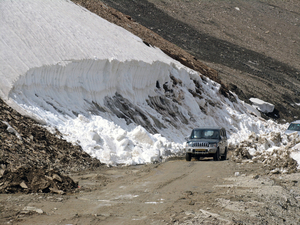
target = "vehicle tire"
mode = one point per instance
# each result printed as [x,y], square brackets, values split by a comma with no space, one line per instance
[224,157]
[188,156]
[217,155]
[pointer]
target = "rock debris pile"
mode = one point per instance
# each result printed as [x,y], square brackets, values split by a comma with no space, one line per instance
[35,180]
[274,150]
[29,155]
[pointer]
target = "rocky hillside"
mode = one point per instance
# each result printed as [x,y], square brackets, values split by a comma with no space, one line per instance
[254,46]
[33,160]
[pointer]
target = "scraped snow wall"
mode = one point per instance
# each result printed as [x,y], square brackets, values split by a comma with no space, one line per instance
[38,33]
[128,112]
[103,88]
[87,81]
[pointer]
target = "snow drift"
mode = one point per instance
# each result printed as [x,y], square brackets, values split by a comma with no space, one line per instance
[104,89]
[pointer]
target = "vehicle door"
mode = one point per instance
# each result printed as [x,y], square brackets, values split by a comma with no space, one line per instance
[222,142]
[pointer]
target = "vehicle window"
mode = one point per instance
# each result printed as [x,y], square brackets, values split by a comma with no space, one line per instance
[196,134]
[208,133]
[205,134]
[294,126]
[214,134]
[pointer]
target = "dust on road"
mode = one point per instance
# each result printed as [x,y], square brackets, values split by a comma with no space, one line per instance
[173,192]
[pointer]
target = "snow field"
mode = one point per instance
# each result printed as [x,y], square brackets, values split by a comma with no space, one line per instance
[104,89]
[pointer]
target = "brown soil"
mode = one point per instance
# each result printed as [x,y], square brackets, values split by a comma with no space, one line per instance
[31,156]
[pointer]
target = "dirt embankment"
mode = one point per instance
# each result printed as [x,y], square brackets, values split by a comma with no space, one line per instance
[34,160]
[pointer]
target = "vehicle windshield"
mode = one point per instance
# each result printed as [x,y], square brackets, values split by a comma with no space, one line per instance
[205,134]
[294,126]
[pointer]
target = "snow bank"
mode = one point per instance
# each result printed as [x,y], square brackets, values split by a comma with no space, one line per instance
[130,112]
[38,33]
[104,89]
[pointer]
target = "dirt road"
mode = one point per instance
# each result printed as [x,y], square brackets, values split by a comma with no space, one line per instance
[173,192]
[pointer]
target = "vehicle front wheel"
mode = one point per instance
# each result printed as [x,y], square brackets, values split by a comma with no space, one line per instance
[224,157]
[217,156]
[188,156]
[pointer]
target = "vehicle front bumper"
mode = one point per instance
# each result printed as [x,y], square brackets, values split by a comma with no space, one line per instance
[201,150]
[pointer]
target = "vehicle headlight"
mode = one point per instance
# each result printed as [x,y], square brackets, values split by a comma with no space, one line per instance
[190,144]
[214,145]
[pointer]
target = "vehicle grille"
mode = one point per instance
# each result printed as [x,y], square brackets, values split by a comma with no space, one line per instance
[200,144]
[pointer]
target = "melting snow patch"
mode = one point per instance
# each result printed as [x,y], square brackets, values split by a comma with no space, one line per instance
[129,196]
[28,209]
[10,129]
[262,106]
[153,203]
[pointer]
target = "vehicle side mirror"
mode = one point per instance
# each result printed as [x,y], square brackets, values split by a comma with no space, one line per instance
[187,138]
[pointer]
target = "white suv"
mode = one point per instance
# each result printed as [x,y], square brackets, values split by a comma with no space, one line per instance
[207,142]
[294,126]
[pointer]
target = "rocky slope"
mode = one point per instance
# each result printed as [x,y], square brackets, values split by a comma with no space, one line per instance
[254,45]
[30,156]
